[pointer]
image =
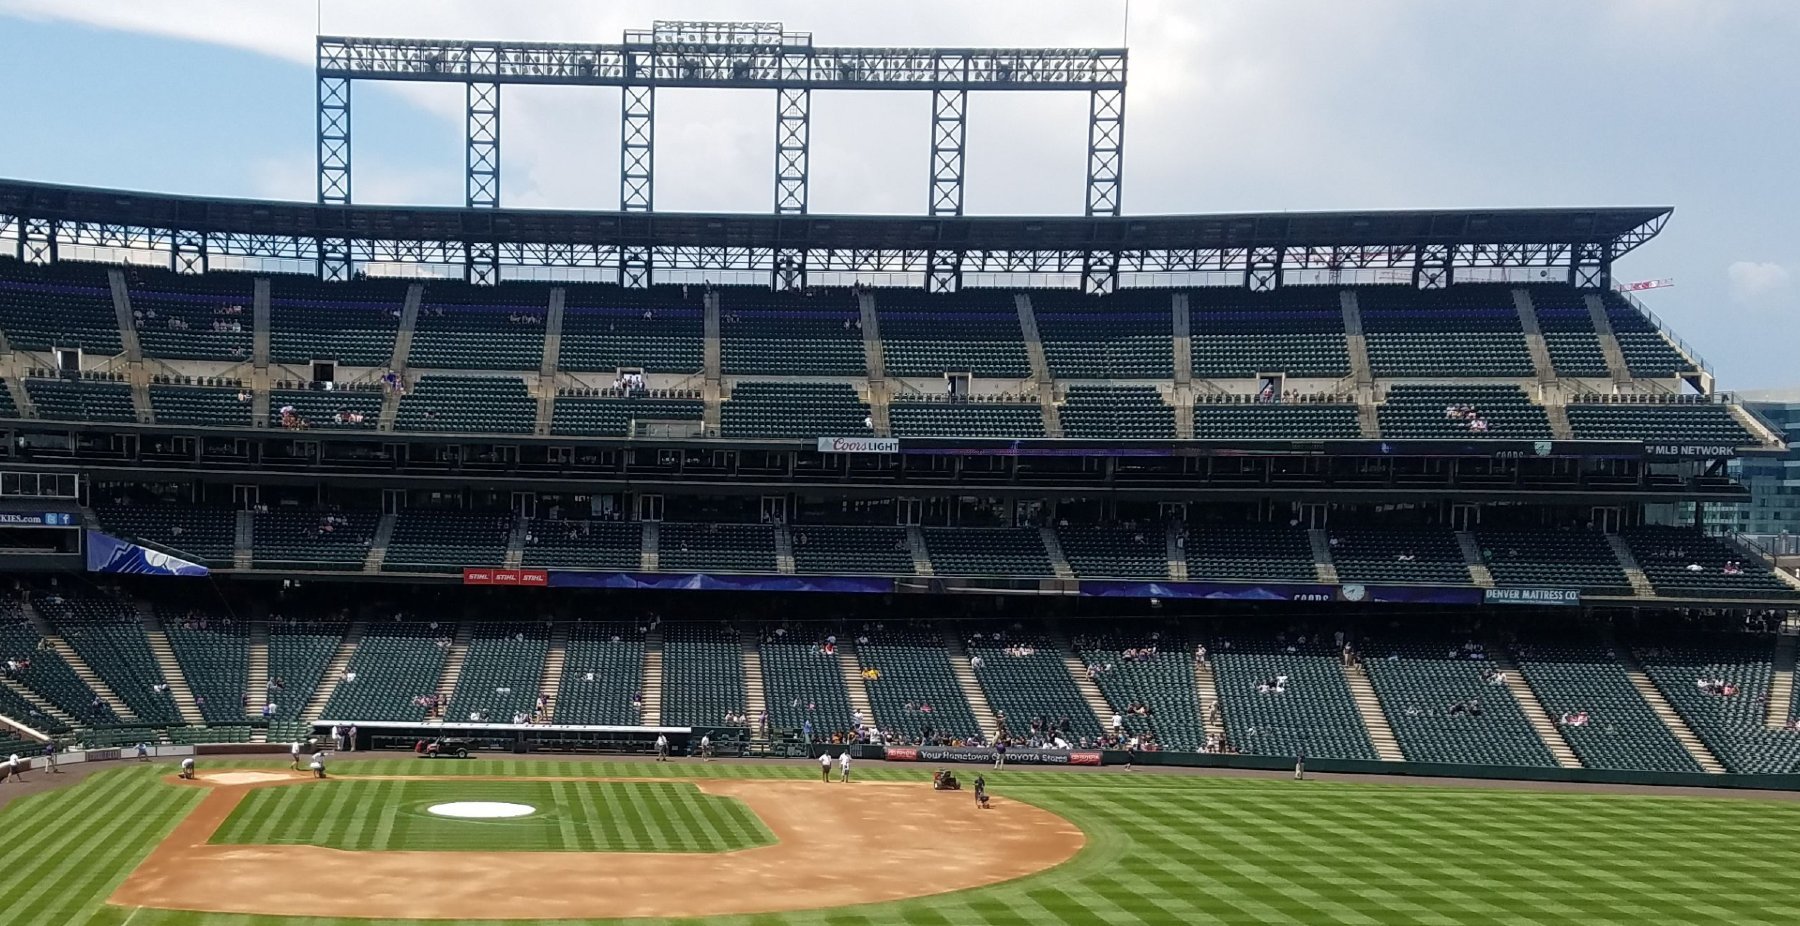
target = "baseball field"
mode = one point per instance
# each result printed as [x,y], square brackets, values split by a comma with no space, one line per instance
[765,845]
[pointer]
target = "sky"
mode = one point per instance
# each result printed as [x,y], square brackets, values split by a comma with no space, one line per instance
[1233,105]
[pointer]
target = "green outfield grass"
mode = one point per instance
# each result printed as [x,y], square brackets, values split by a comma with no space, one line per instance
[571,816]
[1161,849]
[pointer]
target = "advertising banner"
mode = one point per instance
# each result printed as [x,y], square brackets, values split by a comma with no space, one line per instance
[106,553]
[480,575]
[1215,590]
[1541,596]
[859,445]
[985,754]
[45,518]
[873,585]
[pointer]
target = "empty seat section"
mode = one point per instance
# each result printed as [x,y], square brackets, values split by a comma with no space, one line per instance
[353,323]
[1731,721]
[916,693]
[81,400]
[214,654]
[320,409]
[1117,413]
[206,533]
[493,328]
[1234,334]
[39,310]
[584,544]
[1278,703]
[396,665]
[1552,559]
[615,417]
[1276,421]
[803,685]
[1248,552]
[703,675]
[850,550]
[769,334]
[43,671]
[503,673]
[200,406]
[1425,554]
[445,541]
[716,548]
[993,551]
[1466,330]
[8,408]
[1116,552]
[1568,329]
[108,635]
[1147,666]
[1647,351]
[1443,709]
[603,670]
[298,539]
[603,335]
[300,650]
[1459,411]
[966,419]
[1589,697]
[1024,679]
[794,410]
[1673,423]
[194,318]
[1127,336]
[1667,556]
[962,333]
[476,404]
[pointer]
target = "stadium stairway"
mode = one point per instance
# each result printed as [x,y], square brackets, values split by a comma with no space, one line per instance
[82,670]
[1764,433]
[1535,345]
[554,659]
[1640,583]
[179,691]
[32,698]
[850,664]
[712,363]
[1381,736]
[546,381]
[1323,567]
[454,661]
[1471,551]
[755,700]
[515,544]
[649,548]
[334,671]
[244,532]
[1174,554]
[1058,562]
[1653,696]
[1780,703]
[256,661]
[1522,692]
[651,686]
[1040,366]
[15,386]
[1558,416]
[1206,692]
[784,550]
[1090,692]
[1609,341]
[875,360]
[260,327]
[130,346]
[384,534]
[971,687]
[921,557]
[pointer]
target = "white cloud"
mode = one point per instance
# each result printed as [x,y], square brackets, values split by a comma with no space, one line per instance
[1754,281]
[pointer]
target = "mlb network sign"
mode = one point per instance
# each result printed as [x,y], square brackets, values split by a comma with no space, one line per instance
[859,445]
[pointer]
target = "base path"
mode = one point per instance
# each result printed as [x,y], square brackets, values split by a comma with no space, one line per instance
[837,845]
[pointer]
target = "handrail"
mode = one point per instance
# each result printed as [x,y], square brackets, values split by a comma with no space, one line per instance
[1663,327]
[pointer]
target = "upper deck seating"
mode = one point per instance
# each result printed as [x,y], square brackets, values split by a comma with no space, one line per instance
[1236,334]
[966,419]
[762,333]
[1647,352]
[794,410]
[1423,554]
[429,540]
[471,327]
[59,305]
[477,404]
[972,331]
[1128,335]
[353,323]
[1464,330]
[1568,330]
[1437,412]
[1117,413]
[606,328]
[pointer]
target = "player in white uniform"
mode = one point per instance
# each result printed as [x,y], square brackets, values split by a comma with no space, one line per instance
[187,768]
[662,748]
[318,763]
[825,767]
[844,766]
[294,751]
[705,747]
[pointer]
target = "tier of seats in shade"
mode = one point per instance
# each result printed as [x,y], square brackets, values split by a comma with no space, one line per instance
[960,334]
[108,635]
[1733,726]
[354,323]
[1117,413]
[793,410]
[994,551]
[584,544]
[42,308]
[1467,330]
[613,417]
[305,539]
[44,671]
[8,408]
[850,550]
[495,328]
[1276,421]
[1248,551]
[916,692]
[199,406]
[1313,712]
[1647,352]
[81,400]
[395,664]
[966,419]
[1162,682]
[603,671]
[685,547]
[1568,330]
[1128,336]
[1574,677]
[771,334]
[1235,334]
[703,675]
[1029,683]
[427,540]
[321,409]
[300,651]
[1441,707]
[194,318]
[1116,552]
[1682,423]
[1552,559]
[214,654]
[1419,555]
[1666,553]
[654,338]
[481,404]
[207,533]
[803,686]
[502,674]
[1423,411]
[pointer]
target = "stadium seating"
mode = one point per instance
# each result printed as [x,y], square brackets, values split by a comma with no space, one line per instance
[818,335]
[194,325]
[703,675]
[794,410]
[850,550]
[199,406]
[1647,352]
[1029,685]
[427,540]
[1117,413]
[353,323]
[1248,552]
[1574,677]
[213,653]
[320,409]
[480,404]
[1000,551]
[1552,559]
[916,693]
[802,685]
[47,673]
[81,400]
[1465,330]
[206,533]
[613,417]
[603,669]
[1129,336]
[1733,726]
[1116,552]
[981,339]
[603,338]
[966,419]
[1429,555]
[300,650]
[493,328]
[8,408]
[1313,712]
[109,636]
[1430,691]
[716,548]
[18,709]
[38,313]
[1676,423]
[396,663]
[1276,421]
[285,538]
[1163,683]
[503,673]
[1420,411]
[1234,334]
[1666,553]
[1568,331]
[614,545]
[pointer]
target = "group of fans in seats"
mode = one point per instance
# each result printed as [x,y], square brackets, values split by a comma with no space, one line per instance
[1468,414]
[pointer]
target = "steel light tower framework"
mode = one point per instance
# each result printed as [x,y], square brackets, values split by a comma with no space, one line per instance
[742,55]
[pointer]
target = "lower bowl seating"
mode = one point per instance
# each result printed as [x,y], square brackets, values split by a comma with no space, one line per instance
[1313,712]
[703,675]
[1574,678]
[603,670]
[916,693]
[1029,684]
[396,664]
[1430,692]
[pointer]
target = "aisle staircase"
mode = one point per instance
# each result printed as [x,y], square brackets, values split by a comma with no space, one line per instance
[1381,736]
[1640,583]
[256,665]
[454,660]
[850,664]
[1090,692]
[1780,703]
[970,685]
[32,698]
[1206,694]
[384,534]
[554,660]
[1324,569]
[334,672]
[754,701]
[179,692]
[1653,696]
[243,531]
[651,685]
[1471,551]
[1053,548]
[1522,692]
[82,670]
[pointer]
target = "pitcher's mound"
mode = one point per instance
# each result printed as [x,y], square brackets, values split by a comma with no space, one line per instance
[243,778]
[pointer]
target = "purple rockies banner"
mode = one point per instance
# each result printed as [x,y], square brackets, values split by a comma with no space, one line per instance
[1216,590]
[871,585]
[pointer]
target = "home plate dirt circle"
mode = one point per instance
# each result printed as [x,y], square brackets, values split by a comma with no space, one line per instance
[836,845]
